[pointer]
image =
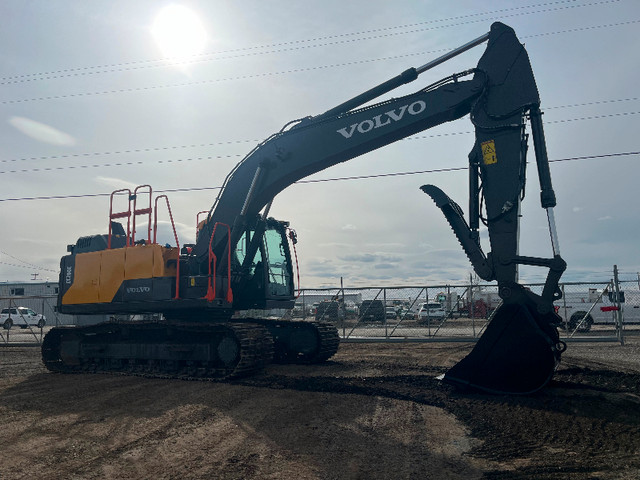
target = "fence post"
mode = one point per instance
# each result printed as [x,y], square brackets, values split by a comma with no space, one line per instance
[384,302]
[619,314]
[344,310]
[564,304]
[304,307]
[426,298]
[472,309]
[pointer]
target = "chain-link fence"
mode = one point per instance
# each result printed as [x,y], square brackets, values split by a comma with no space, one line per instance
[596,311]
[24,319]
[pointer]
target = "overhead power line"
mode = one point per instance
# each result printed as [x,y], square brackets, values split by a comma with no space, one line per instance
[237,142]
[455,169]
[278,73]
[26,264]
[294,44]
[254,141]
[211,157]
[357,177]
[28,267]
[118,164]
[132,150]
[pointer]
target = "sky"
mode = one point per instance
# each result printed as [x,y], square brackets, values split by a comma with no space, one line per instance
[91,103]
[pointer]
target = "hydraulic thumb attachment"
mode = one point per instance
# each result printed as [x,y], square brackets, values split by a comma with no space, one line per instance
[468,239]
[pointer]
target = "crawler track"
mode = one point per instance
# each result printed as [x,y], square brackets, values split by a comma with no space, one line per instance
[190,351]
[302,341]
[217,352]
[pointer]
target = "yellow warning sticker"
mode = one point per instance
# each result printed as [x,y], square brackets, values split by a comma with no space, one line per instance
[489,152]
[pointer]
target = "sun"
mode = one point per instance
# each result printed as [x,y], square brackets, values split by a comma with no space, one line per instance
[179,33]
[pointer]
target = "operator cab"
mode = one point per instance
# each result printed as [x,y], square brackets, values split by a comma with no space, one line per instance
[261,267]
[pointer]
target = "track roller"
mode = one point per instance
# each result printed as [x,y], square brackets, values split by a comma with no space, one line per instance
[302,341]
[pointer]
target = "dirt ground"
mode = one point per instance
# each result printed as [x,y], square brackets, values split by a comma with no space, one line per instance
[375,411]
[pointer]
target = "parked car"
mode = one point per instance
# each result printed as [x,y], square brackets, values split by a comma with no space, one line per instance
[329,311]
[22,317]
[406,314]
[391,312]
[372,311]
[431,311]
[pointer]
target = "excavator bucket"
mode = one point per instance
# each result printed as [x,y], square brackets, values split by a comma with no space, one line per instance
[517,354]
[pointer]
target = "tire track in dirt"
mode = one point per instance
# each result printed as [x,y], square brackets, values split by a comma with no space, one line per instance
[375,411]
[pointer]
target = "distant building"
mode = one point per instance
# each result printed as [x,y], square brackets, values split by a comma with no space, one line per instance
[21,289]
[42,297]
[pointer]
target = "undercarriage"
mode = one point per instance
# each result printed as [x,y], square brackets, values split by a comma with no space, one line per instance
[188,350]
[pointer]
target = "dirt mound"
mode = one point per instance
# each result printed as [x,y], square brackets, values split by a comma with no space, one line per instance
[374,411]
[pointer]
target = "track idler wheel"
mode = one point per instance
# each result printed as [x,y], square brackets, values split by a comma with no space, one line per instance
[517,354]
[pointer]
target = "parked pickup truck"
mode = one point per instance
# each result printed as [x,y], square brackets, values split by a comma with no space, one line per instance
[23,317]
[580,310]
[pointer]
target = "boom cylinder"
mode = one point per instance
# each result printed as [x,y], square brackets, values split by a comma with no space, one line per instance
[405,77]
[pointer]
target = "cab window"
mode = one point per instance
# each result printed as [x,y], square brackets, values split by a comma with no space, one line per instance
[279,281]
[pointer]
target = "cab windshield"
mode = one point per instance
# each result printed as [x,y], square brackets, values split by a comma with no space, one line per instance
[269,274]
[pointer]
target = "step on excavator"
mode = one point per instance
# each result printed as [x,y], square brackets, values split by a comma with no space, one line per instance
[204,293]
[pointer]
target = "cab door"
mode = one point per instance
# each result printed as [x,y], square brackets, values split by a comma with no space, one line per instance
[265,280]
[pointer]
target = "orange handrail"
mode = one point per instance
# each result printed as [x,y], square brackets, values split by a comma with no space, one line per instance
[211,281]
[125,213]
[141,211]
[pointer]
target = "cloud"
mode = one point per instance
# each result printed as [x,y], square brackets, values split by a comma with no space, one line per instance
[349,227]
[385,245]
[606,217]
[360,257]
[186,233]
[385,266]
[42,132]
[335,244]
[116,183]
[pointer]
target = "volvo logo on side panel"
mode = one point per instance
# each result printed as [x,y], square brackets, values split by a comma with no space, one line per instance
[138,290]
[383,119]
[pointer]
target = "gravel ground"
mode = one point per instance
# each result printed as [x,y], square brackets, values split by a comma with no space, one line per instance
[374,411]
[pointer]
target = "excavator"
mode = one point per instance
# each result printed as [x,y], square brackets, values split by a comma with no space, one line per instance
[203,293]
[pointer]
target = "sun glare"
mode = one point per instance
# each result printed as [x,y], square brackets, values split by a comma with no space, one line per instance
[179,33]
